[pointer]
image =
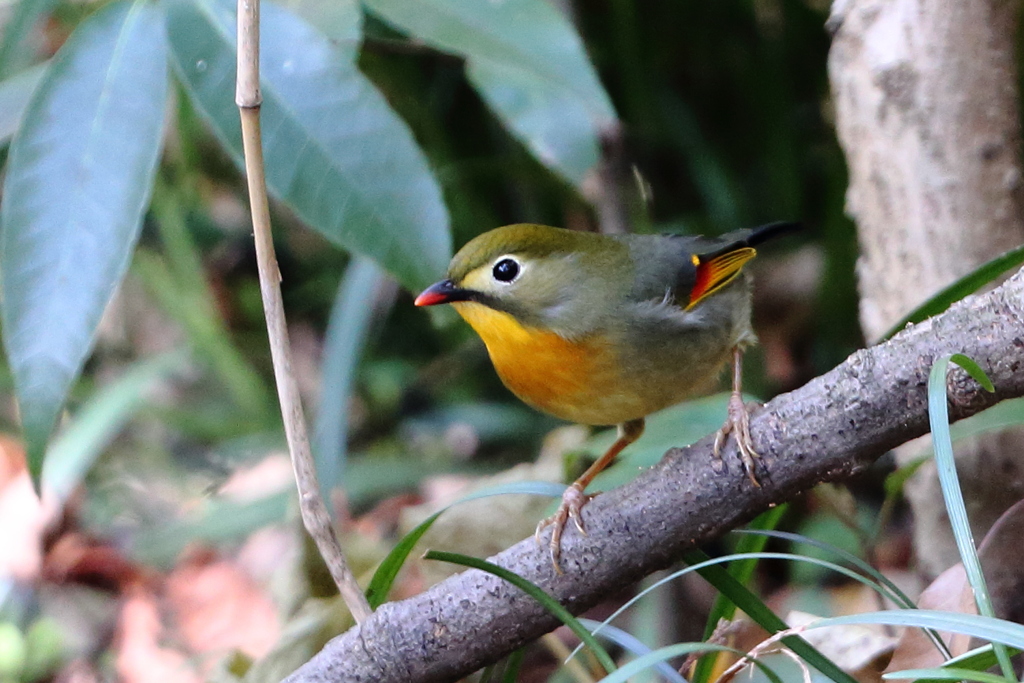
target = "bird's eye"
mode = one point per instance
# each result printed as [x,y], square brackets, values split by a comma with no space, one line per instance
[506,270]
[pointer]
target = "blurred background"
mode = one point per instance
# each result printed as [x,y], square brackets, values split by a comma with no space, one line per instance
[174,490]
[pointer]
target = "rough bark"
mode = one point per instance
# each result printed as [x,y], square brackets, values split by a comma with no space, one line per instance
[925,94]
[828,430]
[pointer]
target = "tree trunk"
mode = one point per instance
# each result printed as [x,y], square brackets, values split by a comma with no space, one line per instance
[925,95]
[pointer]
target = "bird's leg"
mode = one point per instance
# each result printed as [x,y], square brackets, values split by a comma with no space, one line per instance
[574,499]
[738,421]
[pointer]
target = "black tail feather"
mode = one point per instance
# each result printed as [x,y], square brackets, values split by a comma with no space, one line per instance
[751,237]
[763,233]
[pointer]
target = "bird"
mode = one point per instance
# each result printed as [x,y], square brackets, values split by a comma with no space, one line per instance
[603,329]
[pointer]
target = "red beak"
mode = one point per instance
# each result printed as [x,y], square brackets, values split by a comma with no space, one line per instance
[442,292]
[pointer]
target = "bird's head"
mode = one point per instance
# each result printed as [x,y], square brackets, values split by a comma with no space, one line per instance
[542,276]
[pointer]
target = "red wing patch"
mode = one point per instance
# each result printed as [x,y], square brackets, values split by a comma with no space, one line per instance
[717,272]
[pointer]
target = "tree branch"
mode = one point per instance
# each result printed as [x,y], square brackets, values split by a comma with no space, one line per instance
[829,429]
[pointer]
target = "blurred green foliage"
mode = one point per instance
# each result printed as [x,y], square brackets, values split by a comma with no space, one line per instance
[723,113]
[722,109]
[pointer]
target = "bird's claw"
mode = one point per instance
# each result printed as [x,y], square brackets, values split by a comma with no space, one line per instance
[738,424]
[573,501]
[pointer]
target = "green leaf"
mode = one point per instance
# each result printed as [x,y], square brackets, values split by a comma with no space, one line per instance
[974,370]
[78,181]
[75,450]
[968,284]
[529,65]
[334,150]
[340,20]
[535,592]
[515,661]
[343,345]
[979,659]
[15,94]
[556,128]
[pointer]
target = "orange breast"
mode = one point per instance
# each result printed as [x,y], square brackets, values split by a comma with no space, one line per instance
[574,380]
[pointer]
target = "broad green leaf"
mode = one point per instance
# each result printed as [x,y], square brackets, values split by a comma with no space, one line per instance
[15,94]
[334,150]
[556,128]
[677,426]
[78,181]
[340,20]
[527,62]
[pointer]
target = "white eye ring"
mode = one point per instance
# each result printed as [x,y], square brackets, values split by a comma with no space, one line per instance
[506,269]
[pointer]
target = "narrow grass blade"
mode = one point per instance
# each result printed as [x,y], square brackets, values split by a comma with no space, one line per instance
[944,674]
[742,571]
[760,613]
[74,451]
[938,418]
[895,594]
[515,660]
[979,659]
[672,651]
[384,577]
[627,641]
[534,592]
[346,336]
[975,625]
[699,567]
[1008,413]
[968,284]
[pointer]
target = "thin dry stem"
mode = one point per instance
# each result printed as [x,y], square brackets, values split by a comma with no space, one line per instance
[766,646]
[311,505]
[561,652]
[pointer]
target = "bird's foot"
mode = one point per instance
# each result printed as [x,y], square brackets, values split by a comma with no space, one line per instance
[573,501]
[738,424]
